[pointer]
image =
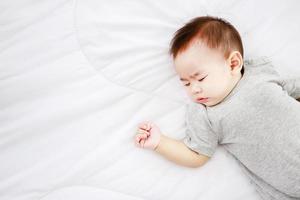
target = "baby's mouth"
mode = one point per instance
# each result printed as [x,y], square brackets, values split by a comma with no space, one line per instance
[202,100]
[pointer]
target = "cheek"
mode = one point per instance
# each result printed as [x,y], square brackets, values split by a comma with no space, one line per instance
[216,84]
[188,91]
[222,85]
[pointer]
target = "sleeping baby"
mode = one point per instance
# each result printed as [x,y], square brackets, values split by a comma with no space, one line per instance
[242,105]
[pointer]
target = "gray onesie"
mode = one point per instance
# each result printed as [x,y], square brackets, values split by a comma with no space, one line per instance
[258,123]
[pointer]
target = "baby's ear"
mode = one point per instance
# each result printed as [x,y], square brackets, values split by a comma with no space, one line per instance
[235,61]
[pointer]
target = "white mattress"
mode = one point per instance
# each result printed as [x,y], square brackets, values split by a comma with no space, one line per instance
[76,77]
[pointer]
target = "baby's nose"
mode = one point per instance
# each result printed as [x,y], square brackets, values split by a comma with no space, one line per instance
[196,89]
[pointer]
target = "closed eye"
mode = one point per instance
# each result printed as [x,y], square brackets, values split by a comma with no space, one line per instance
[202,78]
[188,84]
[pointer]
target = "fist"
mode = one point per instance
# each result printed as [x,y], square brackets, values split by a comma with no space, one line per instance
[147,135]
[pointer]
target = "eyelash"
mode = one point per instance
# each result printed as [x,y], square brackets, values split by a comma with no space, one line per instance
[198,80]
[202,79]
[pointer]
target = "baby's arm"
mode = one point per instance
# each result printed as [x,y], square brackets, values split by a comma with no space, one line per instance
[292,86]
[179,153]
[150,137]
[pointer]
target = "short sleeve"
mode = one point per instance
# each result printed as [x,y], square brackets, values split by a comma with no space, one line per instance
[292,86]
[199,135]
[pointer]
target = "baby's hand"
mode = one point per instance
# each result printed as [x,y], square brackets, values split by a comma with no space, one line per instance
[147,136]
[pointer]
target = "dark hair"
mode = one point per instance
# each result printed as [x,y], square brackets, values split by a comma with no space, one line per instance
[217,33]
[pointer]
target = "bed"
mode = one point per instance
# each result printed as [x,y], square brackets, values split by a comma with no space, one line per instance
[77,76]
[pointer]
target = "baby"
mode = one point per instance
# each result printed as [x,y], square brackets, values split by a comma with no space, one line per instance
[244,106]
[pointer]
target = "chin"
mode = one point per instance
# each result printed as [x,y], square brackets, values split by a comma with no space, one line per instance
[209,104]
[205,104]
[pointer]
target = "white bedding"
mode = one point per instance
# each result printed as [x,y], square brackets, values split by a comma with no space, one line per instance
[76,77]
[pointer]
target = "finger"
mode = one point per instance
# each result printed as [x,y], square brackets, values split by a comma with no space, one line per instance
[138,141]
[149,126]
[137,144]
[142,142]
[141,136]
[140,131]
[148,134]
[143,125]
[138,138]
[146,127]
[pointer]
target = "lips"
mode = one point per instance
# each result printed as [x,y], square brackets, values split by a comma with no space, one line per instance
[202,100]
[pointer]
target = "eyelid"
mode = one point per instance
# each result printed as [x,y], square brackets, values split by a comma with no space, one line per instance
[201,79]
[187,84]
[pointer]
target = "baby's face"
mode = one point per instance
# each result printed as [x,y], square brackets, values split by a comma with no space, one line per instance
[205,74]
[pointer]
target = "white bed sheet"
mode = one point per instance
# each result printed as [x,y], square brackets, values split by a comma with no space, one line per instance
[76,77]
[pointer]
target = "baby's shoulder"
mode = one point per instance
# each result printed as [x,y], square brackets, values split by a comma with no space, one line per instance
[257,61]
[261,70]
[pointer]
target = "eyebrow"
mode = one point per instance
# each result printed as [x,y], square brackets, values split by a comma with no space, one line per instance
[196,74]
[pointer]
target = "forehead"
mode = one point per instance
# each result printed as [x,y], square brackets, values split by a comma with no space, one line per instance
[197,57]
